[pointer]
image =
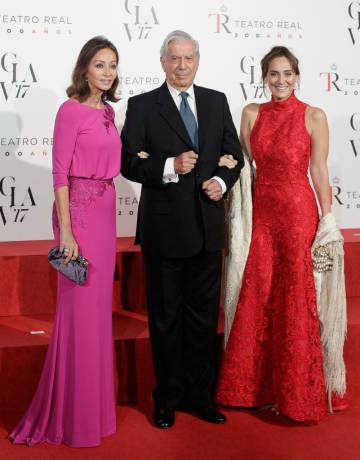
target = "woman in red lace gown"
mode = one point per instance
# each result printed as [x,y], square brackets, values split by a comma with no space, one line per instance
[274,354]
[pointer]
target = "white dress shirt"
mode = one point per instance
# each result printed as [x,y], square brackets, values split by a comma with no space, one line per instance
[169,174]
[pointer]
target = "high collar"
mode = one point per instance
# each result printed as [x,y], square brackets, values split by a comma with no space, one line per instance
[290,103]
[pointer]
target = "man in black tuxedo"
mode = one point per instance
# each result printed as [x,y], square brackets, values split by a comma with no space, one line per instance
[173,138]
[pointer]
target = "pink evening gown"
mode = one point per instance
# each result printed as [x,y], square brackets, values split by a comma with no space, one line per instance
[75,402]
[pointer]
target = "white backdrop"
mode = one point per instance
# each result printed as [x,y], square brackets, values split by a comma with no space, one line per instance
[40,41]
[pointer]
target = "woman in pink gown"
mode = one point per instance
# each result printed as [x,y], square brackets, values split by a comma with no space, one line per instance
[75,402]
[274,353]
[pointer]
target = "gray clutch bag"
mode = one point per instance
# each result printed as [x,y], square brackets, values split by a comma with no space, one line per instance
[75,270]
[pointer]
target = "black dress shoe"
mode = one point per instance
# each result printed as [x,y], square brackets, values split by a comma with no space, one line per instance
[211,414]
[164,418]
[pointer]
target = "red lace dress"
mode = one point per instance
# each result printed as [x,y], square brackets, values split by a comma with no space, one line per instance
[274,351]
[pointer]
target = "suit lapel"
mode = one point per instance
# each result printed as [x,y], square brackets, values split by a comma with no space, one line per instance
[170,113]
[203,108]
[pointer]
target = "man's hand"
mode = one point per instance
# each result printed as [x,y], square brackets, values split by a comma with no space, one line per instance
[185,162]
[212,188]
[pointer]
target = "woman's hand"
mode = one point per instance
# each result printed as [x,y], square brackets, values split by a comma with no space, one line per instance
[228,161]
[143,155]
[68,245]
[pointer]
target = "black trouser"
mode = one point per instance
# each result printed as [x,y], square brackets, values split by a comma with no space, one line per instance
[183,305]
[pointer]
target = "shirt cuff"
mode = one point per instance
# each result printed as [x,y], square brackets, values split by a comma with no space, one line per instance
[169,174]
[222,183]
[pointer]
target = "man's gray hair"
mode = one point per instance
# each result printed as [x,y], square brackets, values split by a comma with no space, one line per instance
[177,35]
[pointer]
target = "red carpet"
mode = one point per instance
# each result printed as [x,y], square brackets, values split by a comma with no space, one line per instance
[27,292]
[247,436]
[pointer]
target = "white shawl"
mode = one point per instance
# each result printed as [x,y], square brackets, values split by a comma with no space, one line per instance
[239,228]
[331,301]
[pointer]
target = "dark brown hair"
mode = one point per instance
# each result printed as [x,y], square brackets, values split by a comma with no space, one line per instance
[79,87]
[275,52]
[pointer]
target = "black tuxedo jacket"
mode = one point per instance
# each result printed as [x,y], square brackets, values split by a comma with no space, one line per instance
[177,219]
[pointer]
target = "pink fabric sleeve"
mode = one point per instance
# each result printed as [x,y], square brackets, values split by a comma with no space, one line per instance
[65,134]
